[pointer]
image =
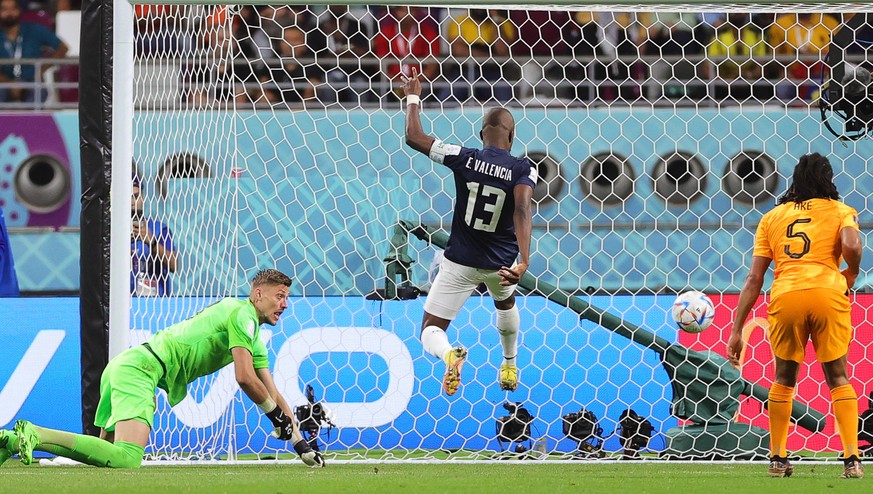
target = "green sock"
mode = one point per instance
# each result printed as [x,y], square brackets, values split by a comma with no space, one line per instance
[11,441]
[90,450]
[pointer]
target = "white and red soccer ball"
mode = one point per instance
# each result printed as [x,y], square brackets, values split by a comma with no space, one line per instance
[693,311]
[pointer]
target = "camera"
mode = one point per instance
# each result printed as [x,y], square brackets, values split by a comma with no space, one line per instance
[635,432]
[851,99]
[583,428]
[312,417]
[515,427]
[848,89]
[309,417]
[865,427]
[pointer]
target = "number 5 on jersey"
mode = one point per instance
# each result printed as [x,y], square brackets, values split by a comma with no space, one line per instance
[801,235]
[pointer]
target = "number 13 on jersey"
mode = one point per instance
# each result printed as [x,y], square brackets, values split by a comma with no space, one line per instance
[488,213]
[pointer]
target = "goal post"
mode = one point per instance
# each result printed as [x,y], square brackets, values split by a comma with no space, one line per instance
[265,136]
[121,173]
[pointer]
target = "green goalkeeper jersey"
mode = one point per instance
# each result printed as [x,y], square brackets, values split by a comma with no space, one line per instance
[200,345]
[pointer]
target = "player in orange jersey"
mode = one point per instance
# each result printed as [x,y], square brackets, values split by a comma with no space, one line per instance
[806,235]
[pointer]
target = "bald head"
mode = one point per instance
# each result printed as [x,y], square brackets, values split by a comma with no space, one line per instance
[499,117]
[498,128]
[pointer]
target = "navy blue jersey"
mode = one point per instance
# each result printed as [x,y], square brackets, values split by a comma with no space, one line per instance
[483,230]
[8,278]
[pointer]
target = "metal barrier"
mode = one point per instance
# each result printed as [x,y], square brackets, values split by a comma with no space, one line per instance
[55,85]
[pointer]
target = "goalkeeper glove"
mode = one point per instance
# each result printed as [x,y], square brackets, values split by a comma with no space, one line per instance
[283,427]
[310,457]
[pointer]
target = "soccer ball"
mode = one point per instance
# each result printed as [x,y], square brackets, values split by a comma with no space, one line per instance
[693,311]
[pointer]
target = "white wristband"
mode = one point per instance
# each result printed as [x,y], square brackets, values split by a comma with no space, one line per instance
[413,99]
[268,405]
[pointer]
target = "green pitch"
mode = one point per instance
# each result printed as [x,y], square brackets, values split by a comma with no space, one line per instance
[478,478]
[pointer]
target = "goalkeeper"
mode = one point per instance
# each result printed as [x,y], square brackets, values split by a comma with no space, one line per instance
[227,331]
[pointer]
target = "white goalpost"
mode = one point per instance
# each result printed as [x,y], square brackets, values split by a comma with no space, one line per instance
[272,136]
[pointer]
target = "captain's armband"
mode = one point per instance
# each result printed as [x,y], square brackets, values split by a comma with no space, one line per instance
[439,150]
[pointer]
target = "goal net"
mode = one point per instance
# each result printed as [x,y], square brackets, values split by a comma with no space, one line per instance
[272,136]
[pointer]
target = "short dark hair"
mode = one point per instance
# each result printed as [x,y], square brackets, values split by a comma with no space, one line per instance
[813,179]
[270,277]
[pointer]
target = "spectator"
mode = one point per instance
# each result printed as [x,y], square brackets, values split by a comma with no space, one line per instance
[292,80]
[275,20]
[260,32]
[250,30]
[157,34]
[707,23]
[411,40]
[254,46]
[669,37]
[300,16]
[802,39]
[620,47]
[24,40]
[215,77]
[482,35]
[710,21]
[153,254]
[587,46]
[63,5]
[345,33]
[8,278]
[542,36]
[347,40]
[732,65]
[40,12]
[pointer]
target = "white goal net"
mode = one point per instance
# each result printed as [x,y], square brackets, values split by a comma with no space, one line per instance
[272,136]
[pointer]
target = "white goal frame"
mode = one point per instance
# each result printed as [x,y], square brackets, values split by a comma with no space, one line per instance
[123,135]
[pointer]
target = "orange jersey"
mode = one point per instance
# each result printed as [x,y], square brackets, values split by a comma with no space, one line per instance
[803,240]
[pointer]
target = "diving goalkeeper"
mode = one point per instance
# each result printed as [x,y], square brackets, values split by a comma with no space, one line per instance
[227,331]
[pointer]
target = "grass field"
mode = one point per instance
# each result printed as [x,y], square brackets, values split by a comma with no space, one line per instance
[410,478]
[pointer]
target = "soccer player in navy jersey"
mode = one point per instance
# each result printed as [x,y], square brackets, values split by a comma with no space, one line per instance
[491,226]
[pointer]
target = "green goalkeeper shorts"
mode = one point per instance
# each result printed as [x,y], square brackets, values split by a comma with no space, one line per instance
[127,389]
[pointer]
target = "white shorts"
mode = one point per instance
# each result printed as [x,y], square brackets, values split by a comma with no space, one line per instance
[453,285]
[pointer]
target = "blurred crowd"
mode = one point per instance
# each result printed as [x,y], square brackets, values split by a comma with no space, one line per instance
[317,55]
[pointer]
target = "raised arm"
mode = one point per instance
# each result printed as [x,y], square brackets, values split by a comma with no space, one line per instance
[415,136]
